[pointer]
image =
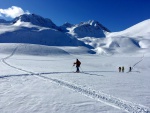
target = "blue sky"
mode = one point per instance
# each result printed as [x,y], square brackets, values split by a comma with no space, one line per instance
[116,15]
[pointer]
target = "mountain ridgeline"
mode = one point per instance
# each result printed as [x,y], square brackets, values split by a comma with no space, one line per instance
[34,29]
[35,20]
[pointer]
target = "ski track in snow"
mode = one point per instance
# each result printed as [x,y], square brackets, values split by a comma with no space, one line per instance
[138,62]
[97,95]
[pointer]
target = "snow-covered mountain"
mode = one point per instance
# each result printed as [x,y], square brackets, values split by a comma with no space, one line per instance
[41,79]
[131,40]
[35,20]
[38,77]
[65,26]
[90,28]
[33,29]
[139,30]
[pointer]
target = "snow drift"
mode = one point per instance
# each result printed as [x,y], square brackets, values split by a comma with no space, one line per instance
[132,40]
[41,50]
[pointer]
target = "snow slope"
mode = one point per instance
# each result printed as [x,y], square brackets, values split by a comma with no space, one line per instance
[136,31]
[37,75]
[40,79]
[132,40]
[42,50]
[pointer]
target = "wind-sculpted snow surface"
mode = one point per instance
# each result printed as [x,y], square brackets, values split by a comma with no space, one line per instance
[42,50]
[99,96]
[36,78]
[34,36]
[105,98]
[88,92]
[137,31]
[132,40]
[118,45]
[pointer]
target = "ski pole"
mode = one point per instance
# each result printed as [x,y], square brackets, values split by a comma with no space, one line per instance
[71,68]
[81,69]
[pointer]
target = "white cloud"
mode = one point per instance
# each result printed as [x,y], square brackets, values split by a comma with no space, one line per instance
[13,12]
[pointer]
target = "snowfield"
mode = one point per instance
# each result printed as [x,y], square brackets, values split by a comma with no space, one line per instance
[41,79]
[37,73]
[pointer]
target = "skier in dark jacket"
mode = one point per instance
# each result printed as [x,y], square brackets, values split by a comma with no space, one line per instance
[119,69]
[77,63]
[122,68]
[130,69]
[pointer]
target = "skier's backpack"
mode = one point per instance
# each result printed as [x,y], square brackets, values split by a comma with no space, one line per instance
[79,63]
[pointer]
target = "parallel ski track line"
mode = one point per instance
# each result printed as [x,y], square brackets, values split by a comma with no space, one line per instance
[138,62]
[99,96]
[102,97]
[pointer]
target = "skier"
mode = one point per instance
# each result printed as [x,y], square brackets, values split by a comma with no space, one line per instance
[122,68]
[119,69]
[77,63]
[130,69]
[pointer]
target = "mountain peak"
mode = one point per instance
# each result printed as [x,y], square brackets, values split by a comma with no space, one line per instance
[91,28]
[67,24]
[96,24]
[91,22]
[35,20]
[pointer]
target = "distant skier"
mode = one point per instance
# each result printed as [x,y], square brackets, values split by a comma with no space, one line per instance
[122,68]
[77,63]
[119,69]
[130,69]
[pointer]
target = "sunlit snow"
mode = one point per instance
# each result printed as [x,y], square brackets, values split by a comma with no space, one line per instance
[38,76]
